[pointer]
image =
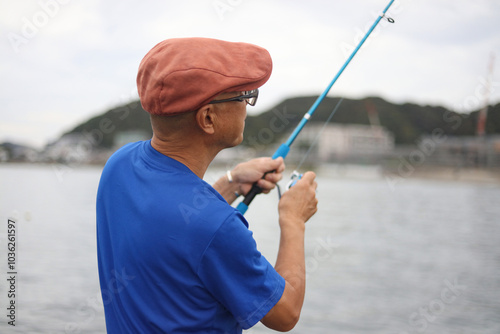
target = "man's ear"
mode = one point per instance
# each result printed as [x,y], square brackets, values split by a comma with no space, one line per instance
[206,118]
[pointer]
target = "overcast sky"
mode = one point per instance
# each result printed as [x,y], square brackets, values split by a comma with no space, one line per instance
[63,61]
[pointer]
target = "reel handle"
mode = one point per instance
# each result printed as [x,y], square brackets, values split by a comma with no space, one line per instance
[294,178]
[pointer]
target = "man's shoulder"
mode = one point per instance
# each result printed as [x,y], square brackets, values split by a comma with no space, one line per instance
[206,204]
[125,152]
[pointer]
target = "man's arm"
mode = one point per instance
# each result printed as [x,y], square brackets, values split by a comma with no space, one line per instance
[296,206]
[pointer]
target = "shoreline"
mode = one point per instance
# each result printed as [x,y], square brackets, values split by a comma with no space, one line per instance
[438,173]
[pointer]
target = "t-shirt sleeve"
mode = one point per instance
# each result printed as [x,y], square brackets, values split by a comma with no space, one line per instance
[237,274]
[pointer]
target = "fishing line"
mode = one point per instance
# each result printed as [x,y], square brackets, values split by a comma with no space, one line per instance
[319,134]
[283,150]
[313,144]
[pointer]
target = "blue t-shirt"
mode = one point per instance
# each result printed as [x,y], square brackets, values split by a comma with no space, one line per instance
[174,256]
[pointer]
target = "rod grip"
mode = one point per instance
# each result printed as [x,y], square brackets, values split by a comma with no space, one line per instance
[254,191]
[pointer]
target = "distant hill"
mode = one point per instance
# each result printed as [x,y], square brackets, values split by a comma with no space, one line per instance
[104,128]
[406,121]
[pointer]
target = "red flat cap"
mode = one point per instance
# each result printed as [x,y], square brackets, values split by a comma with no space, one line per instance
[183,74]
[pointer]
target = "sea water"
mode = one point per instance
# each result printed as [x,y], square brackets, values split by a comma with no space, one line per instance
[419,256]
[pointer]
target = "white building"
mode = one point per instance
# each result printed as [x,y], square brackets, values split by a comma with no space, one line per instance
[70,148]
[346,142]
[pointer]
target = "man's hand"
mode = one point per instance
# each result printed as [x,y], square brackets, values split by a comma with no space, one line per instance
[247,173]
[299,203]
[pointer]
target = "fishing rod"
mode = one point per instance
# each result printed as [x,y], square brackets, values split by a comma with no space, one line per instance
[283,150]
[296,176]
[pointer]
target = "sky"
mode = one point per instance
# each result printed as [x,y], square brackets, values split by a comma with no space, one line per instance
[64,61]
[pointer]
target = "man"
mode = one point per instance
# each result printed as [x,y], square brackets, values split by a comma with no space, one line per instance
[174,256]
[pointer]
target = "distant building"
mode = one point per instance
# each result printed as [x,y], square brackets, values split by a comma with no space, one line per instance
[17,153]
[465,151]
[70,148]
[4,154]
[345,143]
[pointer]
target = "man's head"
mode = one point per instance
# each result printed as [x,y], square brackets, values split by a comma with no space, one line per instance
[183,74]
[216,125]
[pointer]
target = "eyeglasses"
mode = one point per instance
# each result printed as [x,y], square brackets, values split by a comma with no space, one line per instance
[249,96]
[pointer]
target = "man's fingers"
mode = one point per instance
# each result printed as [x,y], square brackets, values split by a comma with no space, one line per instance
[265,185]
[309,177]
[273,177]
[279,165]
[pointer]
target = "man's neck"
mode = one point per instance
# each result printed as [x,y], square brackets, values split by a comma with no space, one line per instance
[196,157]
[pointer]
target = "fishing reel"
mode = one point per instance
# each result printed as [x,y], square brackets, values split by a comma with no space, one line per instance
[294,178]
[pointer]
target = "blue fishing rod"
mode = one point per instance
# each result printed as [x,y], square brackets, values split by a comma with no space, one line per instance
[283,150]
